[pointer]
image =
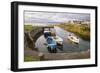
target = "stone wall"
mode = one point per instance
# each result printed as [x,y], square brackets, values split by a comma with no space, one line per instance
[31,37]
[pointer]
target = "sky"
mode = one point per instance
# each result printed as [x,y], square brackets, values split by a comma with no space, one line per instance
[53,17]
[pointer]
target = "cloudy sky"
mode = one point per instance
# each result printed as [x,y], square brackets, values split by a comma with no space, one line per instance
[53,17]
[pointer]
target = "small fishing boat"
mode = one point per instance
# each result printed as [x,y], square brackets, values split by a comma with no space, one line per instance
[51,44]
[47,33]
[58,39]
[73,38]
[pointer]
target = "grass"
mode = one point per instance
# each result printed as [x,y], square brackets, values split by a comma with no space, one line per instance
[81,30]
[28,27]
[31,58]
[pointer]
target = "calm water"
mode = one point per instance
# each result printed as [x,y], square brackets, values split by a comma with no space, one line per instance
[68,46]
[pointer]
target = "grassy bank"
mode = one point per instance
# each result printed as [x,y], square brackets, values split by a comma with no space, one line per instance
[28,27]
[81,30]
[31,58]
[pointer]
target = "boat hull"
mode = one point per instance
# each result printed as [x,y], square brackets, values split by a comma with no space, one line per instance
[73,39]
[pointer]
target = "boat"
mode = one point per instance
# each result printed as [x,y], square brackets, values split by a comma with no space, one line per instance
[51,44]
[58,39]
[73,38]
[47,33]
[52,33]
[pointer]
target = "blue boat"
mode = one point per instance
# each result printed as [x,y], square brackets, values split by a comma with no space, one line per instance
[51,44]
[46,34]
[53,41]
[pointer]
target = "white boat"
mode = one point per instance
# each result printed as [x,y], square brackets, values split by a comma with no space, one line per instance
[58,39]
[73,39]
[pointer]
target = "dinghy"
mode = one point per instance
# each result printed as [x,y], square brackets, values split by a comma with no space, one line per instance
[73,38]
[58,39]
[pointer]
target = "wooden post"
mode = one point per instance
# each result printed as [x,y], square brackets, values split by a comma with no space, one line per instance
[41,56]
